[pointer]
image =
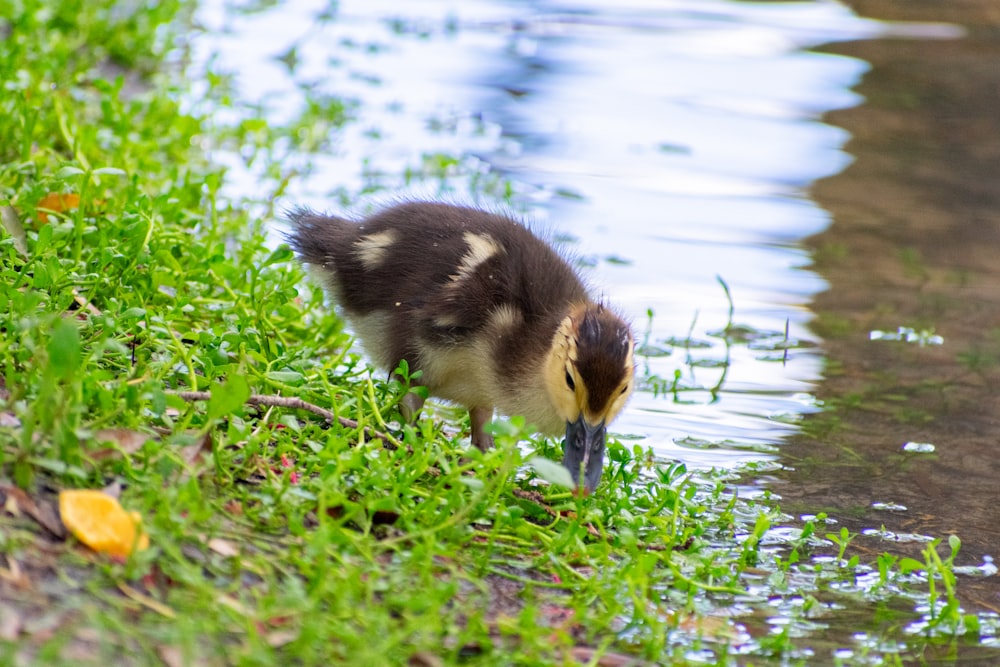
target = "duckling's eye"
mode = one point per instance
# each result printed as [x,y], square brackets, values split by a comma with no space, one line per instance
[624,389]
[569,382]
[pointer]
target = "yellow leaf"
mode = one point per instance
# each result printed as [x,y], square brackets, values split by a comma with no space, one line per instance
[55,202]
[97,520]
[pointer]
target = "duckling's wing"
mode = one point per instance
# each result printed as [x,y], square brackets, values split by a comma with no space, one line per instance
[499,273]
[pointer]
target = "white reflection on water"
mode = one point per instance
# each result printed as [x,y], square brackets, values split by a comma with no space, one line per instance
[686,133]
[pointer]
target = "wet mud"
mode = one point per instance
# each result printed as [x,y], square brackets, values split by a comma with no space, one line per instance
[915,242]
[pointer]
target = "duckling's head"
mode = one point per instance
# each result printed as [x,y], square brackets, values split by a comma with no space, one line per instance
[589,378]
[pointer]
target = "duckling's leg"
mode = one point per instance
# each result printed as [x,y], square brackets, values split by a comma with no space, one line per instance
[480,417]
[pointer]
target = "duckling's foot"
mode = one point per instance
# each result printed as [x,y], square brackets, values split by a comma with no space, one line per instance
[480,417]
[410,406]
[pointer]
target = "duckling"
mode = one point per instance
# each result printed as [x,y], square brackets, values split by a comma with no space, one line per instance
[491,315]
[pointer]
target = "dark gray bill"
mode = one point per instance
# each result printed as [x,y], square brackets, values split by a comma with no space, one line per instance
[583,452]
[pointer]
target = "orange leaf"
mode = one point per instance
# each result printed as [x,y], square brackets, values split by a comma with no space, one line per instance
[55,202]
[97,520]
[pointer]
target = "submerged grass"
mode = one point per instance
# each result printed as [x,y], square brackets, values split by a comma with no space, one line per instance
[279,537]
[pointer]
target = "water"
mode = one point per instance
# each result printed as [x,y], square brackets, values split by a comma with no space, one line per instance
[669,145]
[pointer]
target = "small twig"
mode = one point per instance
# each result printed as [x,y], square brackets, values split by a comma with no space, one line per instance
[295,403]
[292,402]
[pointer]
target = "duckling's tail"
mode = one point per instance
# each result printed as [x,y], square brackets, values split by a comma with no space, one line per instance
[315,237]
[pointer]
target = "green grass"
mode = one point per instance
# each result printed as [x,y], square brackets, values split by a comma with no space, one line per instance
[279,538]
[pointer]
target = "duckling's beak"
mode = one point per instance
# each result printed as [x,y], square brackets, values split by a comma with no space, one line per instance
[584,449]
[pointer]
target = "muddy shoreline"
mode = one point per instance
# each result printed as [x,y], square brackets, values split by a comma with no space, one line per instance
[915,242]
